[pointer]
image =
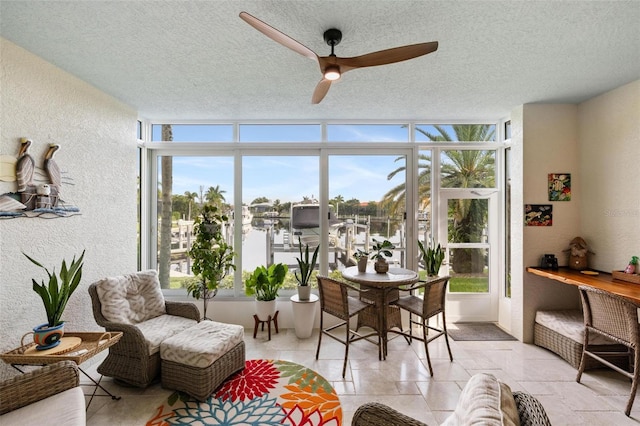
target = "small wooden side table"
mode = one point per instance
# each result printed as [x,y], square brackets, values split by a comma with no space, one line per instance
[268,321]
[77,347]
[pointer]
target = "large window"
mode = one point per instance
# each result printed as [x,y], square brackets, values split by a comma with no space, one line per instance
[339,185]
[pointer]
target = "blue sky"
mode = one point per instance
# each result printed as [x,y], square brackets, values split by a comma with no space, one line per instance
[290,177]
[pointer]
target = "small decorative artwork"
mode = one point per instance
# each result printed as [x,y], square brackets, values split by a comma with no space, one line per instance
[559,186]
[538,214]
[38,188]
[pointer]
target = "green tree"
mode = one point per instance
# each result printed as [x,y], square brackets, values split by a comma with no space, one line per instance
[336,202]
[460,169]
[191,198]
[215,196]
[164,255]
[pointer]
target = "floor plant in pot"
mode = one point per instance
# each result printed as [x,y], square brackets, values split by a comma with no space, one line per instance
[305,270]
[264,284]
[55,296]
[380,251]
[431,258]
[212,257]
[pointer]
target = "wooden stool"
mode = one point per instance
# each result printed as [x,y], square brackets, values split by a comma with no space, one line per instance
[269,319]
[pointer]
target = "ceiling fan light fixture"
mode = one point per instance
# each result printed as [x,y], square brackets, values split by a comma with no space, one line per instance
[332,72]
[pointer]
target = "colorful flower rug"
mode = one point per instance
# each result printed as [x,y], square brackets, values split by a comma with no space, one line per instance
[266,392]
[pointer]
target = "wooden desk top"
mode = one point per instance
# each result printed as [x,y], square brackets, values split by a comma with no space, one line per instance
[603,281]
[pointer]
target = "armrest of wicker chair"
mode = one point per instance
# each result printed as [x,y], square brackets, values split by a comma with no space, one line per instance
[376,414]
[36,385]
[530,411]
[183,309]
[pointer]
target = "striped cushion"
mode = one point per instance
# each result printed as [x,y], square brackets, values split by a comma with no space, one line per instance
[131,299]
[199,346]
[157,329]
[570,324]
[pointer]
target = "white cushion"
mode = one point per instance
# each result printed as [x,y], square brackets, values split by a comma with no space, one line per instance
[202,344]
[62,409]
[131,299]
[485,401]
[157,329]
[570,324]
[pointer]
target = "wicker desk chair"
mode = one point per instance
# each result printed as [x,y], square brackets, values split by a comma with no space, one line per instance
[335,300]
[430,305]
[129,360]
[614,317]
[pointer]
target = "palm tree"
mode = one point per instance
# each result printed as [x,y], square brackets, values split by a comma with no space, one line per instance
[464,169]
[191,197]
[164,255]
[394,200]
[215,195]
[336,201]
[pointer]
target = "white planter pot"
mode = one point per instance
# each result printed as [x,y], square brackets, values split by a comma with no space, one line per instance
[265,309]
[304,291]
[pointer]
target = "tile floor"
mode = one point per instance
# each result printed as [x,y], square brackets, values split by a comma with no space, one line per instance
[403,381]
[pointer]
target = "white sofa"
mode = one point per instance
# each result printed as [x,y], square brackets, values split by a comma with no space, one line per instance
[49,395]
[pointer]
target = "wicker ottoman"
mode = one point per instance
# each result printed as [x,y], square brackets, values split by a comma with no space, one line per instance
[198,359]
[561,332]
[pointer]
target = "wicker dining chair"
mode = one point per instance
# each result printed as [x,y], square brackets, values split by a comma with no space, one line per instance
[430,305]
[616,318]
[336,301]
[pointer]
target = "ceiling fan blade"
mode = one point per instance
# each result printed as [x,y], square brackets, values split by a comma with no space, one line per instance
[278,36]
[388,56]
[321,90]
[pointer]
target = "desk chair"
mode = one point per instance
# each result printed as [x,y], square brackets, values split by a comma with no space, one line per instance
[430,305]
[335,300]
[614,317]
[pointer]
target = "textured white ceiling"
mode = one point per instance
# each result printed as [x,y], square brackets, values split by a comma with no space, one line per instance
[198,60]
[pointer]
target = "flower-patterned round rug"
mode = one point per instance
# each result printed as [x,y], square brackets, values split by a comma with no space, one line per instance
[266,392]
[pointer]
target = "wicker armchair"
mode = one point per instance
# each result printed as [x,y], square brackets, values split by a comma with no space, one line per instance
[530,412]
[335,301]
[616,318]
[131,360]
[36,387]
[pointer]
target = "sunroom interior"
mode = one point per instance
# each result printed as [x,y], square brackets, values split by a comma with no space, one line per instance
[557,85]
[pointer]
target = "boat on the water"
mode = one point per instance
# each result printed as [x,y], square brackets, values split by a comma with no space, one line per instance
[305,223]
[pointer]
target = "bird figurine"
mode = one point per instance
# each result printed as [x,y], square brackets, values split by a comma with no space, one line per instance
[53,171]
[25,166]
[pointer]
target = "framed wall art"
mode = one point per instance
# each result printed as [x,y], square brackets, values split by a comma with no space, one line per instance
[559,186]
[538,214]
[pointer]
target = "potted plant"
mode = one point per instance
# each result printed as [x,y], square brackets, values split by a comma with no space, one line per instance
[380,251]
[55,296]
[212,257]
[431,258]
[305,270]
[264,283]
[362,257]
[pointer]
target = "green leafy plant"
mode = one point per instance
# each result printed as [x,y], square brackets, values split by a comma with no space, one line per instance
[359,254]
[56,294]
[212,257]
[432,258]
[305,267]
[264,283]
[382,249]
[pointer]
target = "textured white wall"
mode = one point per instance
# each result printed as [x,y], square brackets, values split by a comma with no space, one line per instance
[597,142]
[97,135]
[609,128]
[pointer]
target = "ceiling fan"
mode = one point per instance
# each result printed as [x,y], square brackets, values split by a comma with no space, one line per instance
[332,67]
